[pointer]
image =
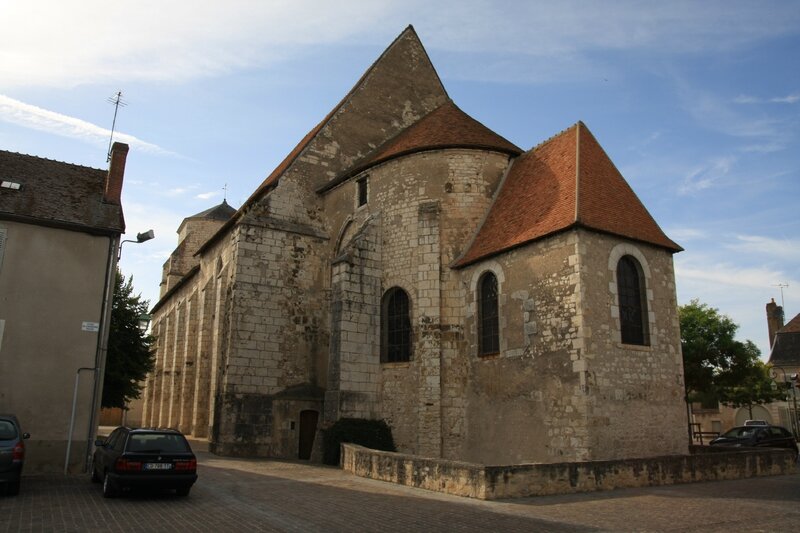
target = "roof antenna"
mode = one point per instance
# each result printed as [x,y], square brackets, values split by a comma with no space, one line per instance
[117,101]
[781,286]
[225,193]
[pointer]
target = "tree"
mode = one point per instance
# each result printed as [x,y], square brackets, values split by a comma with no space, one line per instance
[129,358]
[717,367]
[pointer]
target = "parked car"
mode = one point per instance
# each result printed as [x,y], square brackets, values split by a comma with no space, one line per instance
[147,459]
[757,436]
[12,453]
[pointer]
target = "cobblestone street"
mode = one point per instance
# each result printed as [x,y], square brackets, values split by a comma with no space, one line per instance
[268,495]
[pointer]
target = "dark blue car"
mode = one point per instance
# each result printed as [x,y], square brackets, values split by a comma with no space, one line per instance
[757,436]
[12,453]
[147,459]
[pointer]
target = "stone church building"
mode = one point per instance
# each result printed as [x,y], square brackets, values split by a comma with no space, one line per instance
[405,263]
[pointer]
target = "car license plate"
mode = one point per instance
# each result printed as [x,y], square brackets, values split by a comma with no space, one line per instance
[158,466]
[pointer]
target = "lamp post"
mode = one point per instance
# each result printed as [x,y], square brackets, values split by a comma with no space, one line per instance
[140,238]
[787,384]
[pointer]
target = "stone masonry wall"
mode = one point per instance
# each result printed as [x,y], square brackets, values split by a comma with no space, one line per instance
[278,334]
[631,386]
[429,205]
[527,403]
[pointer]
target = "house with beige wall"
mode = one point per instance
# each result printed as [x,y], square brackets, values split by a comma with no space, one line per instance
[59,233]
[405,263]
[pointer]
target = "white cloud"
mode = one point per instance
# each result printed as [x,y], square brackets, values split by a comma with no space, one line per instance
[791,99]
[208,195]
[707,175]
[729,274]
[780,249]
[57,43]
[30,116]
[686,234]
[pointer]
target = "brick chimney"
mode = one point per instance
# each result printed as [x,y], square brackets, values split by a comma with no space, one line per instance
[774,320]
[116,171]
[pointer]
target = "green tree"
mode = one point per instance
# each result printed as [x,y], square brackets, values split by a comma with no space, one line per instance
[129,358]
[717,367]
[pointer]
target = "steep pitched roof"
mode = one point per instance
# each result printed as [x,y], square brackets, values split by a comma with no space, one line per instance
[375,109]
[565,182]
[445,127]
[57,194]
[786,348]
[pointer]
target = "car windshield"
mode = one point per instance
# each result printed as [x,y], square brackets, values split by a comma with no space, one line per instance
[7,430]
[157,443]
[741,433]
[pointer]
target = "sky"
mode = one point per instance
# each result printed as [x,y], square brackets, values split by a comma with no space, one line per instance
[697,103]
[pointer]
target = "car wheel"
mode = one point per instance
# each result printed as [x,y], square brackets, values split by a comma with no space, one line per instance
[109,490]
[13,487]
[182,491]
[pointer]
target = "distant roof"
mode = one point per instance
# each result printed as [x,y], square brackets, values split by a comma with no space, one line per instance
[222,211]
[445,127]
[55,193]
[786,348]
[567,181]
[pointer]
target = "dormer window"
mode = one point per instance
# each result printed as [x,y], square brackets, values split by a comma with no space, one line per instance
[361,187]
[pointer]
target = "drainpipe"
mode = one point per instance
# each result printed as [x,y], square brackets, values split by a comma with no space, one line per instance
[102,344]
[72,415]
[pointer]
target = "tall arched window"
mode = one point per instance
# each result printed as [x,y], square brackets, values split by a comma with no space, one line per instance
[632,302]
[488,315]
[395,326]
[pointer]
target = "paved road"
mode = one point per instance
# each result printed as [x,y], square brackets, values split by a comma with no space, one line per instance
[262,495]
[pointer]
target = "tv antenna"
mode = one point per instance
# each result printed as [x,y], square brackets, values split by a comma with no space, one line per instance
[781,286]
[117,102]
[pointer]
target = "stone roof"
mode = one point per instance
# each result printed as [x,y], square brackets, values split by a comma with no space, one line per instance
[222,211]
[786,348]
[402,76]
[57,194]
[445,127]
[567,181]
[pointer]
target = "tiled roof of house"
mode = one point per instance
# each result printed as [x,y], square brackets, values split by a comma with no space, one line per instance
[786,348]
[447,126]
[55,193]
[564,182]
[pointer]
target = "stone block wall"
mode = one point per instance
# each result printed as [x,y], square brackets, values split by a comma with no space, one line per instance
[527,403]
[631,386]
[278,328]
[429,206]
[520,481]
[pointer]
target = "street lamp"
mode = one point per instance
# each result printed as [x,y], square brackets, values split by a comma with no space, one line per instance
[144,322]
[140,238]
[787,384]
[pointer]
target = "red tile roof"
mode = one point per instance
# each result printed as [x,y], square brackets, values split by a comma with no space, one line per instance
[447,126]
[566,181]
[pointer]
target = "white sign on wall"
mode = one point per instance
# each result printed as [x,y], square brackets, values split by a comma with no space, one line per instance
[91,326]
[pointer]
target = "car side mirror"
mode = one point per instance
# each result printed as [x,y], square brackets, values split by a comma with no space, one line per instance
[26,435]
[100,443]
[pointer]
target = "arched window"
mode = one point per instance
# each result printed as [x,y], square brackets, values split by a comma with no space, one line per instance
[632,302]
[395,326]
[488,316]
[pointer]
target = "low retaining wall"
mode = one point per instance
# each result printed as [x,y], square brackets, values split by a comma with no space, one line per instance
[517,481]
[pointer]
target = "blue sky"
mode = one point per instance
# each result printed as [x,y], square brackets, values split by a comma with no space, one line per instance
[697,103]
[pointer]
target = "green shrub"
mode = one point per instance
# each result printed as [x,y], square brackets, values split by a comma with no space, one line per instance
[374,434]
